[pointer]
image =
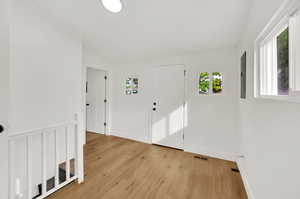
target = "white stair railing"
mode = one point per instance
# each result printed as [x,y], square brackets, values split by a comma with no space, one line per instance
[27,136]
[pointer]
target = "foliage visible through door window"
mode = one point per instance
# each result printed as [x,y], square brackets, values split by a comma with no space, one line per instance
[204,83]
[132,85]
[216,82]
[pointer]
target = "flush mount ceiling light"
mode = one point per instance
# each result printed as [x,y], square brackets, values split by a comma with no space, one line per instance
[114,6]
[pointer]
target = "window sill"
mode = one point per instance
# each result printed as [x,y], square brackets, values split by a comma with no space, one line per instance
[290,98]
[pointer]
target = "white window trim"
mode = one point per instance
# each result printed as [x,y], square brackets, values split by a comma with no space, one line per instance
[270,84]
[294,53]
[276,25]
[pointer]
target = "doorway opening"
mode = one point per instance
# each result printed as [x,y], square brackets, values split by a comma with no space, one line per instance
[96,101]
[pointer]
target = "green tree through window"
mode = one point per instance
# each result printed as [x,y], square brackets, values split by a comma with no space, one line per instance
[204,83]
[283,62]
[216,82]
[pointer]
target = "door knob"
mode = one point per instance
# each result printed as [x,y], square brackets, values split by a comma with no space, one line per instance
[1,128]
[154,109]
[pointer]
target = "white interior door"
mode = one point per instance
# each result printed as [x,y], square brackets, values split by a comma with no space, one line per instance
[4,86]
[168,113]
[96,94]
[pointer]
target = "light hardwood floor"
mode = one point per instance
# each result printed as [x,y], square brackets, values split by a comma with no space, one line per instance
[122,169]
[90,136]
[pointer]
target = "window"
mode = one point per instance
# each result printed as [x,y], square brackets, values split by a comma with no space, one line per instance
[294,34]
[274,64]
[243,75]
[217,82]
[277,56]
[204,83]
[283,62]
[210,84]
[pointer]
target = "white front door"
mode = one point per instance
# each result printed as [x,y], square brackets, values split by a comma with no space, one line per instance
[4,86]
[168,107]
[96,89]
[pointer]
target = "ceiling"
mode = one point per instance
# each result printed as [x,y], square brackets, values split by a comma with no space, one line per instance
[149,29]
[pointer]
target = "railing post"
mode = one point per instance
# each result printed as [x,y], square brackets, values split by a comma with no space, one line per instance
[29,173]
[11,166]
[76,151]
[79,149]
[44,163]
[67,154]
[56,166]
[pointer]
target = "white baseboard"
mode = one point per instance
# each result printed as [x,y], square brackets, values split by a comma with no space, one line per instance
[223,156]
[96,132]
[126,136]
[245,179]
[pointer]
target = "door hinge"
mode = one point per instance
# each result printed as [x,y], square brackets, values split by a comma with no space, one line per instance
[183,136]
[105,124]
[105,77]
[184,72]
[105,101]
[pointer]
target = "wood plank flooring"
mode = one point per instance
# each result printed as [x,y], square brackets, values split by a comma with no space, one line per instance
[90,136]
[117,168]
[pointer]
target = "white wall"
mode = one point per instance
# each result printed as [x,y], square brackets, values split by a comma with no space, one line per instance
[45,71]
[92,58]
[4,93]
[4,60]
[269,129]
[45,82]
[212,123]
[131,113]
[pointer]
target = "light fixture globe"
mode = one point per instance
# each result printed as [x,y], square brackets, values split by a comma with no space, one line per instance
[114,6]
